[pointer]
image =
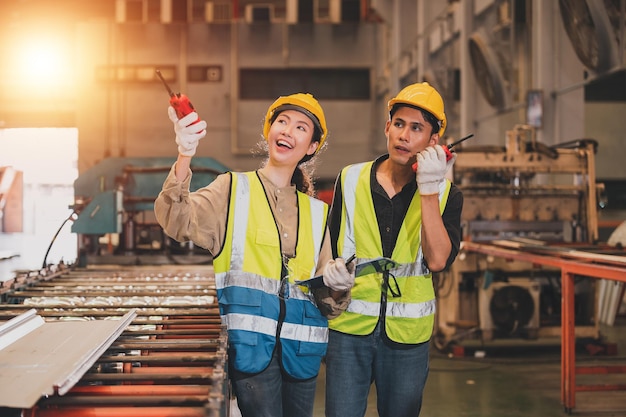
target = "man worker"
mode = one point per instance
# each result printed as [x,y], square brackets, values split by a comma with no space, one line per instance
[383,208]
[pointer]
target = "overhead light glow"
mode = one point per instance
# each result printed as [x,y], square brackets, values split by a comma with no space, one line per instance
[42,63]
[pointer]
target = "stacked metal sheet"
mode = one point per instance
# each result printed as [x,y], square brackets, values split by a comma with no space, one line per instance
[170,359]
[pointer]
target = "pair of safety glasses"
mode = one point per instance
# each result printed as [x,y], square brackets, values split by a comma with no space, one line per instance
[391,283]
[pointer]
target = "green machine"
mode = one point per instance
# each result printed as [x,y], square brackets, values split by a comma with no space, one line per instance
[114,210]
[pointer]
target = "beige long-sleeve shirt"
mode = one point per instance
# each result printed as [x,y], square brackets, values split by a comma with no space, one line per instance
[201,217]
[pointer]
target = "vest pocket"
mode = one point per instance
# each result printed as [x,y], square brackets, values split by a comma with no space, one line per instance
[313,318]
[266,237]
[250,352]
[311,349]
[237,337]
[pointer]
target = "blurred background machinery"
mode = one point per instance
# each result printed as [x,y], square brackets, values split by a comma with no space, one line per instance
[524,193]
[114,212]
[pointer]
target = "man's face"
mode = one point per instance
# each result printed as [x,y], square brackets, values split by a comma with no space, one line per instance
[407,134]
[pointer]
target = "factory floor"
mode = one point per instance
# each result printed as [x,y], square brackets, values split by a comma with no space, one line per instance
[510,377]
[516,378]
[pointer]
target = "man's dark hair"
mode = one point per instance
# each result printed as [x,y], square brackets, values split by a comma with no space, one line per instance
[428,116]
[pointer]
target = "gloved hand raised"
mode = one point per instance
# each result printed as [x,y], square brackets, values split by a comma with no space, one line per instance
[431,169]
[187,132]
[338,276]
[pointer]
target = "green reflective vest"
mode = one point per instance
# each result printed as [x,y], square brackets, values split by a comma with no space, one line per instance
[409,318]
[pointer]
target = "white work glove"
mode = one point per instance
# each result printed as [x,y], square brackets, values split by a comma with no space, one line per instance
[431,169]
[187,134]
[338,276]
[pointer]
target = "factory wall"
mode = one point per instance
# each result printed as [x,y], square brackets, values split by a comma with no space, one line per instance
[401,41]
[130,119]
[604,123]
[530,50]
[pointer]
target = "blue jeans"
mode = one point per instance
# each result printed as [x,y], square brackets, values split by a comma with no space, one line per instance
[398,371]
[272,393]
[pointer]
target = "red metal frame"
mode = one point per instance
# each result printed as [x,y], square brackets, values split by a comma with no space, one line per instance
[569,269]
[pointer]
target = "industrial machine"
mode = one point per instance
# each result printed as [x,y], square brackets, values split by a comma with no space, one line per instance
[525,193]
[114,204]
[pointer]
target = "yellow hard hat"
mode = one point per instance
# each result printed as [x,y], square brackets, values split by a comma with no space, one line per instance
[303,102]
[425,97]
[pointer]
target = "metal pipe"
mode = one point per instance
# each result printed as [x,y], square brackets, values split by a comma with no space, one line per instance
[139,390]
[190,378]
[164,345]
[165,371]
[134,400]
[163,357]
[121,412]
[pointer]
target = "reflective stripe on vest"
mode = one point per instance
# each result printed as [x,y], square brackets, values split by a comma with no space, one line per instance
[267,326]
[248,281]
[413,311]
[409,318]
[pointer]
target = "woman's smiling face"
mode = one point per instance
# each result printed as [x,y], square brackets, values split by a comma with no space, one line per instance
[290,137]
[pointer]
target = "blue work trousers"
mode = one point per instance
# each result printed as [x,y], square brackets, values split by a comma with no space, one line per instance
[398,371]
[272,393]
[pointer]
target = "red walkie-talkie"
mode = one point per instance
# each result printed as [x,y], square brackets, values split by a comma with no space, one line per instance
[178,101]
[447,149]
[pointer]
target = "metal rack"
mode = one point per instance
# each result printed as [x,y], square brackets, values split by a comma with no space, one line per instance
[571,263]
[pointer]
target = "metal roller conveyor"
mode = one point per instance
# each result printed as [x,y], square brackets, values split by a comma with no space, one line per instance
[61,312]
[169,360]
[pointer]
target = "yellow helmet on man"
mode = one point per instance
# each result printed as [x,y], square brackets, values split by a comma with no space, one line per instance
[304,103]
[424,96]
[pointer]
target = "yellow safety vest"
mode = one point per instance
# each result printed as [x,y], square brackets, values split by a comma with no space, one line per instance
[249,286]
[409,318]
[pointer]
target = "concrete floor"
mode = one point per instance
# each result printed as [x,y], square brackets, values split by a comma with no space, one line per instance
[514,379]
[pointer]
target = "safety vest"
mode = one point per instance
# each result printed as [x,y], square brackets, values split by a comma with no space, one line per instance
[256,305]
[409,318]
